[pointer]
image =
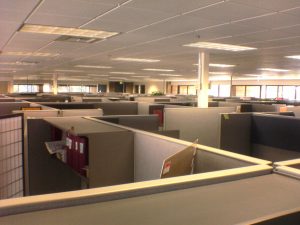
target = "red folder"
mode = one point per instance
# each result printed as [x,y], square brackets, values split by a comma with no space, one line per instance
[160,114]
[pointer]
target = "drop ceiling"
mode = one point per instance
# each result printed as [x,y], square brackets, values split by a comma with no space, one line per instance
[149,29]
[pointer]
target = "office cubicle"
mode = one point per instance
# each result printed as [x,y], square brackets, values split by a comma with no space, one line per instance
[260,198]
[270,137]
[144,153]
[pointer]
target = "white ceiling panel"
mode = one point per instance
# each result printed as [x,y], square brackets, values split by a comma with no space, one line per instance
[227,12]
[272,21]
[274,5]
[171,6]
[19,5]
[56,20]
[126,18]
[7,29]
[73,8]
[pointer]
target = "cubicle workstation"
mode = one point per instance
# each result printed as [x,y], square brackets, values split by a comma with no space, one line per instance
[116,154]
[263,199]
[270,137]
[8,107]
[193,123]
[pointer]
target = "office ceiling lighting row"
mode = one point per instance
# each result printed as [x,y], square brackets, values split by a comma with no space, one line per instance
[159,70]
[293,56]
[42,29]
[273,70]
[123,73]
[170,75]
[218,46]
[93,67]
[19,63]
[219,65]
[136,60]
[38,54]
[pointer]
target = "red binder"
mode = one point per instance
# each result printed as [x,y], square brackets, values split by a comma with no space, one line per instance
[75,153]
[83,155]
[160,114]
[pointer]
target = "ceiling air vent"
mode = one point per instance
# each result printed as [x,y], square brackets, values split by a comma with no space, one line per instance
[78,39]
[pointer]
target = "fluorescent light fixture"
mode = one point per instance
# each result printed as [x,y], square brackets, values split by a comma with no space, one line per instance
[40,54]
[40,29]
[125,73]
[293,56]
[98,75]
[159,70]
[221,65]
[74,71]
[19,63]
[219,46]
[48,73]
[253,75]
[141,76]
[136,60]
[219,73]
[273,70]
[170,75]
[94,67]
[118,78]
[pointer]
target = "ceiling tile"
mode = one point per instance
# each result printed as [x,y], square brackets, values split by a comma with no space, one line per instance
[275,5]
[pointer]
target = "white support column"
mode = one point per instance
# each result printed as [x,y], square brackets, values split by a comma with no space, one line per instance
[54,84]
[203,83]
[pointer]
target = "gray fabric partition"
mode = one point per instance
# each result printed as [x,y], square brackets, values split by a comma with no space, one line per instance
[8,107]
[193,123]
[235,133]
[296,110]
[118,108]
[263,108]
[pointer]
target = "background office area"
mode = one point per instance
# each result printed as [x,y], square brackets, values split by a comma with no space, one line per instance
[149,112]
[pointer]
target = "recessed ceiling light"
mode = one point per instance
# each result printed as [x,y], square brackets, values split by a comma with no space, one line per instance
[273,70]
[136,60]
[293,56]
[221,65]
[91,66]
[170,75]
[141,76]
[218,46]
[66,31]
[19,63]
[41,54]
[98,75]
[159,70]
[219,73]
[125,73]
[119,78]
[74,71]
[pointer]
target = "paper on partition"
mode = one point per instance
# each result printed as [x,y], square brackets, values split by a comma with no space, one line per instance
[181,163]
[54,147]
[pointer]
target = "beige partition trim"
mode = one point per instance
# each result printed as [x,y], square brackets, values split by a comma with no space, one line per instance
[289,171]
[287,162]
[81,112]
[66,199]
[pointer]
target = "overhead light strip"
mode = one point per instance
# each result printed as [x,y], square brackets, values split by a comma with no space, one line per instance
[43,29]
[125,73]
[219,46]
[39,54]
[93,66]
[159,70]
[273,69]
[135,60]
[293,57]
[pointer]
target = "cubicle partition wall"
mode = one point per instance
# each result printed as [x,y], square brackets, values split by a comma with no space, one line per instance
[109,108]
[196,123]
[7,108]
[270,137]
[11,156]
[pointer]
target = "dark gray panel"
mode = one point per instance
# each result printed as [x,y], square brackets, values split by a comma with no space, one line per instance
[8,107]
[168,133]
[276,131]
[149,123]
[235,135]
[209,162]
[117,108]
[263,108]
[46,173]
[273,154]
[111,158]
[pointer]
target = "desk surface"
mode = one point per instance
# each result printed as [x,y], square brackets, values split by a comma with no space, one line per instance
[228,203]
